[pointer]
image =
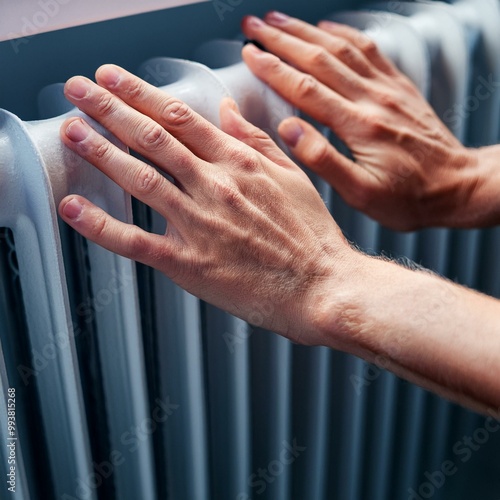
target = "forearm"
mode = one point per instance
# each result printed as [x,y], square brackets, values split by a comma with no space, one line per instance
[432,332]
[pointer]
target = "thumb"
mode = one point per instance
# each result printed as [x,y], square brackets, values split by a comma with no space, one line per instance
[314,151]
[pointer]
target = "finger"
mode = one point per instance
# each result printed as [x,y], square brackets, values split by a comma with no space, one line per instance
[125,239]
[133,128]
[139,179]
[312,149]
[343,50]
[302,90]
[199,135]
[310,58]
[363,42]
[233,123]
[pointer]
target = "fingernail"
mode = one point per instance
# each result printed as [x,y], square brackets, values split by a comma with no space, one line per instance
[77,88]
[73,209]
[254,22]
[275,18]
[108,75]
[291,132]
[77,130]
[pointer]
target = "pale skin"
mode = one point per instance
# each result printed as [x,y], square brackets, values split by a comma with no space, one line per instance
[246,226]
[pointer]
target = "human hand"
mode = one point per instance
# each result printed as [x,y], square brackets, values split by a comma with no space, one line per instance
[409,170]
[243,230]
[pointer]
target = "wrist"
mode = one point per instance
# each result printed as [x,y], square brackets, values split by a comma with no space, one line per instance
[485,199]
[421,327]
[476,201]
[341,316]
[370,314]
[448,190]
[298,316]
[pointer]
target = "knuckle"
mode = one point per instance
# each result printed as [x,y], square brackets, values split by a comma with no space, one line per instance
[229,194]
[105,103]
[320,57]
[136,244]
[247,160]
[344,51]
[319,154]
[153,136]
[273,37]
[259,134]
[174,203]
[307,87]
[135,89]
[388,100]
[380,131]
[148,180]
[103,151]
[274,65]
[376,126]
[368,46]
[99,226]
[176,113]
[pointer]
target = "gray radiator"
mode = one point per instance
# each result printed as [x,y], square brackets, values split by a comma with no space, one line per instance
[127,387]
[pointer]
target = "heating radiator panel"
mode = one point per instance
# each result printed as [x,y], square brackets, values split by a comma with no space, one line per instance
[255,388]
[112,307]
[27,208]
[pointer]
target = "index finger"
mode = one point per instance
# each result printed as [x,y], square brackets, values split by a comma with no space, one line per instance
[302,90]
[363,42]
[196,133]
[347,54]
[338,65]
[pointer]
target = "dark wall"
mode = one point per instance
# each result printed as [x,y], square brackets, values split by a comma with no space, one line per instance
[47,58]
